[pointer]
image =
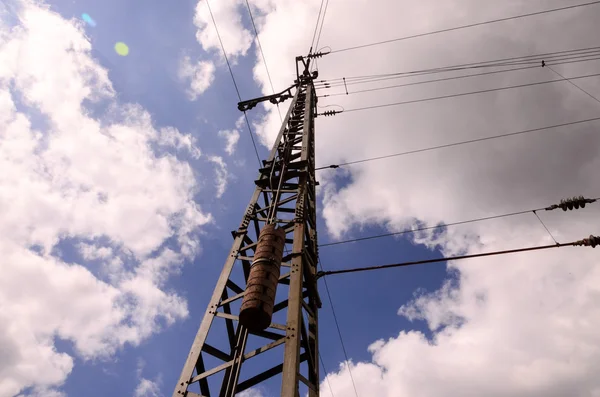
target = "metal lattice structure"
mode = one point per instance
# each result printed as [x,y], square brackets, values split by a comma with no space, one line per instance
[284,196]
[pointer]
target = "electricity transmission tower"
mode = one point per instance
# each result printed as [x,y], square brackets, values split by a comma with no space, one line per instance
[266,301]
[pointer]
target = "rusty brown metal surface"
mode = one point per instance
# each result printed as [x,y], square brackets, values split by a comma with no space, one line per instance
[257,306]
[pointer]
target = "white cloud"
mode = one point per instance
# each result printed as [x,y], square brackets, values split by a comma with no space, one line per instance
[236,39]
[171,138]
[221,174]
[44,392]
[232,136]
[147,388]
[98,184]
[519,325]
[90,251]
[251,393]
[199,76]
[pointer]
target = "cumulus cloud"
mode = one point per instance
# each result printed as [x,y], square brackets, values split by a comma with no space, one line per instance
[111,188]
[221,174]
[44,392]
[232,136]
[199,76]
[519,325]
[236,38]
[254,392]
[147,387]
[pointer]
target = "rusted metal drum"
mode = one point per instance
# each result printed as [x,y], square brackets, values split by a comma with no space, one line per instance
[257,307]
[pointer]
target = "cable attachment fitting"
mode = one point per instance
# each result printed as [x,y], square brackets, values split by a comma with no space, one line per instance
[571,203]
[330,113]
[318,54]
[591,241]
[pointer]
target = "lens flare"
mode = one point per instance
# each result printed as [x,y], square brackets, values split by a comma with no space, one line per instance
[122,49]
[88,19]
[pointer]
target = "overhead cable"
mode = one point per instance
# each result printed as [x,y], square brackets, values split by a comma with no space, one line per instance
[263,55]
[535,65]
[545,227]
[591,241]
[456,144]
[511,61]
[326,377]
[427,81]
[234,83]
[573,84]
[385,105]
[322,23]
[467,26]
[317,53]
[312,43]
[568,204]
[337,325]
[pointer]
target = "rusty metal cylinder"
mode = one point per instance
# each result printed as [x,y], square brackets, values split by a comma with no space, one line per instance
[257,306]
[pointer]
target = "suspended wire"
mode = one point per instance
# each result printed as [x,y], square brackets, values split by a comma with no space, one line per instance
[326,377]
[263,56]
[575,85]
[322,23]
[543,224]
[233,79]
[457,143]
[592,241]
[486,218]
[465,94]
[314,64]
[378,78]
[337,325]
[427,81]
[377,236]
[467,26]
[537,65]
[312,43]
[564,54]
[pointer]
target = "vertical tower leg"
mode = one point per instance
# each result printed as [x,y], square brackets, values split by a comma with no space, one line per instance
[286,186]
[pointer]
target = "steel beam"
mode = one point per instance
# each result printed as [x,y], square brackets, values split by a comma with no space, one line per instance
[286,185]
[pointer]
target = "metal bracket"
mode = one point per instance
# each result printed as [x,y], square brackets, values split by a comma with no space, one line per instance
[274,99]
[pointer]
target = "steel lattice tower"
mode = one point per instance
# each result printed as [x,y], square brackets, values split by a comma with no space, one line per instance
[284,198]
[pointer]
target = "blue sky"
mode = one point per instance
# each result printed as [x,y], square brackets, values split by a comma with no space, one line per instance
[104,229]
[158,34]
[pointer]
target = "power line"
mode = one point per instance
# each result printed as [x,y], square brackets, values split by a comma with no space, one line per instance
[263,55]
[512,61]
[464,94]
[467,26]
[427,81]
[422,229]
[312,43]
[575,85]
[543,224]
[486,218]
[592,241]
[233,79]
[322,23]
[326,377]
[535,65]
[339,331]
[457,143]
